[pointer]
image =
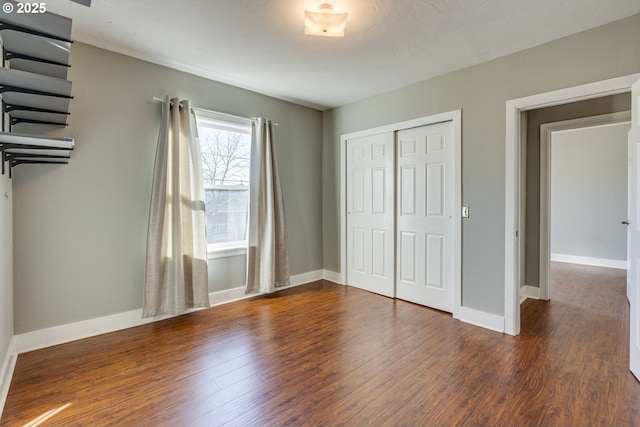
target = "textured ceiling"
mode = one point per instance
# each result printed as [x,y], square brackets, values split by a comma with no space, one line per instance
[260,45]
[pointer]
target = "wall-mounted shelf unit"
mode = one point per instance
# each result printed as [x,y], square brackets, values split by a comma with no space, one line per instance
[34,89]
[19,149]
[31,94]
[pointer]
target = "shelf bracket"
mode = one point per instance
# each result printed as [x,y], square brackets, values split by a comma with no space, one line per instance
[8,56]
[15,162]
[7,88]
[14,159]
[9,108]
[18,120]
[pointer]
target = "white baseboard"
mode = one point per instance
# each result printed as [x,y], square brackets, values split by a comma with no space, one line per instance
[301,279]
[529,292]
[228,295]
[6,372]
[596,262]
[48,337]
[236,294]
[87,328]
[482,319]
[332,276]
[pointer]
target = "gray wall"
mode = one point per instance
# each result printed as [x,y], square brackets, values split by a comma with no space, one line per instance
[481,92]
[6,266]
[589,192]
[535,118]
[81,228]
[228,272]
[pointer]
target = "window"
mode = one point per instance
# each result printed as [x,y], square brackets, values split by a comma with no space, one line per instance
[225,144]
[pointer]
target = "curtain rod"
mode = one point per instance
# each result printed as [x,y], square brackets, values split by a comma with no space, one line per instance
[158,99]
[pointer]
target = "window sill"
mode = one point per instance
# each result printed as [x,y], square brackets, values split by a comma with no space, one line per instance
[225,252]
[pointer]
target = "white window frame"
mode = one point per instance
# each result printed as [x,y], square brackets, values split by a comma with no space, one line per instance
[233,124]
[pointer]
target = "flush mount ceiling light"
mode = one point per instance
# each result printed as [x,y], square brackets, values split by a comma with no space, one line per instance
[324,22]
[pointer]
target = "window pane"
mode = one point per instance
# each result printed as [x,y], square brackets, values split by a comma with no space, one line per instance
[227,212]
[225,163]
[225,156]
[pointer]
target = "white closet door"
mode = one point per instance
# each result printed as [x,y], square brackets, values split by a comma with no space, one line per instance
[370,225]
[425,212]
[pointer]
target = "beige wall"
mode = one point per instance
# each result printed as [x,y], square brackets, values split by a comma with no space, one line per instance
[481,92]
[6,266]
[81,228]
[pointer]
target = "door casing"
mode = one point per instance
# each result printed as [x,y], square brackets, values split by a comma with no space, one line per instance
[513,140]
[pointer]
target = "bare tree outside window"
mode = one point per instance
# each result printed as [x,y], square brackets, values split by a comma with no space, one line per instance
[225,160]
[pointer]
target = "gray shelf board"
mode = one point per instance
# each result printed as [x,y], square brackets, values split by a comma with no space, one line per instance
[51,70]
[33,141]
[39,101]
[48,22]
[33,81]
[32,45]
[60,119]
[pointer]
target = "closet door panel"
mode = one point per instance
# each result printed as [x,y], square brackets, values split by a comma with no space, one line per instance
[425,212]
[370,213]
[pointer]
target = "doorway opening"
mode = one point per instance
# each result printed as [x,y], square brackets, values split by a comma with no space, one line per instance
[516,124]
[583,208]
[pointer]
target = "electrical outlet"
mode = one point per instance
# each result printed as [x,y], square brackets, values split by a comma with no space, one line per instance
[465,212]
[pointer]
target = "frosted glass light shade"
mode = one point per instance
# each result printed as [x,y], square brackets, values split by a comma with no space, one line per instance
[324,22]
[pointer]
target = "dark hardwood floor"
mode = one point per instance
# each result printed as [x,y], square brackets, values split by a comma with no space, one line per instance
[324,354]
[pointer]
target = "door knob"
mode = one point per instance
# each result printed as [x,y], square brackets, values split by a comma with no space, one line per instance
[625,222]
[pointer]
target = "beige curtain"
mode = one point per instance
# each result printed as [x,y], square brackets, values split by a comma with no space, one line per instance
[268,256]
[176,267]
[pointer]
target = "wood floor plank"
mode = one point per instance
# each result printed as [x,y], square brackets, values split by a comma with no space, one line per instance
[324,354]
